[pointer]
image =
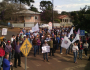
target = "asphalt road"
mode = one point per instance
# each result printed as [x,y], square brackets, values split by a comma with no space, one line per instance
[57,62]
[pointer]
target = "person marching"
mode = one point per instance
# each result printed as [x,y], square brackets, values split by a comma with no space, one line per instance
[6,63]
[17,55]
[44,45]
[50,43]
[2,53]
[8,49]
[75,51]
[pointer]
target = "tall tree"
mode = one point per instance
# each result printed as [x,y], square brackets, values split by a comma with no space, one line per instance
[45,5]
[7,9]
[81,18]
[32,8]
[28,2]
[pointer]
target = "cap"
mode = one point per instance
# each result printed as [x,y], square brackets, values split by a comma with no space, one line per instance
[8,41]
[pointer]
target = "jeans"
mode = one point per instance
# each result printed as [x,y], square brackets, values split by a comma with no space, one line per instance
[46,56]
[80,54]
[13,54]
[38,48]
[75,55]
[35,49]
[60,49]
[1,59]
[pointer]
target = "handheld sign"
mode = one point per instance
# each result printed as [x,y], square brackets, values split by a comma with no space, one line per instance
[4,31]
[26,47]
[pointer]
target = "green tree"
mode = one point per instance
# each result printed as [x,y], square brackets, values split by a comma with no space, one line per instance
[8,9]
[45,5]
[46,16]
[32,8]
[81,18]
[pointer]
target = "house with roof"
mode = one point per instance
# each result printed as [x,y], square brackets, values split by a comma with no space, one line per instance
[65,19]
[25,16]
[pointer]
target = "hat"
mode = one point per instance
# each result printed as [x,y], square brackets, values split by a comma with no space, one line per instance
[8,41]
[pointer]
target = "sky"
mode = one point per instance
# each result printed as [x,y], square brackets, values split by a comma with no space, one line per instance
[64,5]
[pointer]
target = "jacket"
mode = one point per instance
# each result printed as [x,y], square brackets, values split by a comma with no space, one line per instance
[50,43]
[2,52]
[6,64]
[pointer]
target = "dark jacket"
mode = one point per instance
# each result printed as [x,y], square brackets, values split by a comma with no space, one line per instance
[55,41]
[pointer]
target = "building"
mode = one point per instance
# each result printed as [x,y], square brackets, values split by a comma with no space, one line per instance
[65,20]
[25,16]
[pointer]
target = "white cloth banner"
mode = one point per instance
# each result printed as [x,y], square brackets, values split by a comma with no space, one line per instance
[4,31]
[35,28]
[66,43]
[71,32]
[76,38]
[78,31]
[45,49]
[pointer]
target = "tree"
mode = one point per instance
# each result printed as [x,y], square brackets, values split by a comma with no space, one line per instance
[32,8]
[28,2]
[8,9]
[81,18]
[46,15]
[45,5]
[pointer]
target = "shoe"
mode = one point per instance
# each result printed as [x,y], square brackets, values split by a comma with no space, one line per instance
[15,66]
[19,65]
[61,53]
[44,60]
[47,60]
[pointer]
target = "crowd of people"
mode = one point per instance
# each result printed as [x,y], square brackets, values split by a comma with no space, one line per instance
[11,48]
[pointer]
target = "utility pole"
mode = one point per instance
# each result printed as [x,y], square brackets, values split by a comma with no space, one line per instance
[52,13]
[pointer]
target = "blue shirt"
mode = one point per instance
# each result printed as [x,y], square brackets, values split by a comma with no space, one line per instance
[58,39]
[6,64]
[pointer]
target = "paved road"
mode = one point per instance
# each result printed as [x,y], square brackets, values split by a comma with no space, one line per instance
[57,62]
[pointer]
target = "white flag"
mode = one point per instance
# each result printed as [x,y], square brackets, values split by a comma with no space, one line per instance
[76,38]
[78,31]
[35,28]
[71,32]
[66,43]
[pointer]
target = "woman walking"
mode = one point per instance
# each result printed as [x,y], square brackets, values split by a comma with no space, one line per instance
[75,51]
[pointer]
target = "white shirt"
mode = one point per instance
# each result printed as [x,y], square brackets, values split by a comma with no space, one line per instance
[75,48]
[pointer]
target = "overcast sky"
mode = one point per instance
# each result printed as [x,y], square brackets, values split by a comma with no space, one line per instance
[65,5]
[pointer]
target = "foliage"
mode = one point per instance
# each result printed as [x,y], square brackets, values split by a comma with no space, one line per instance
[81,19]
[32,8]
[47,15]
[7,9]
[56,20]
[45,5]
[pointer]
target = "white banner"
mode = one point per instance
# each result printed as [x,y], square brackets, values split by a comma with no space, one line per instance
[4,31]
[66,43]
[45,49]
[35,28]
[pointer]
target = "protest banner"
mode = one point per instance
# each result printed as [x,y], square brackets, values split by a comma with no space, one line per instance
[4,31]
[45,49]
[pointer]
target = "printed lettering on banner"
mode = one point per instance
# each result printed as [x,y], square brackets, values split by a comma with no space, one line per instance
[4,31]
[45,49]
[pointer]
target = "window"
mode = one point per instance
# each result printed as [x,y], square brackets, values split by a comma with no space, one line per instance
[36,17]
